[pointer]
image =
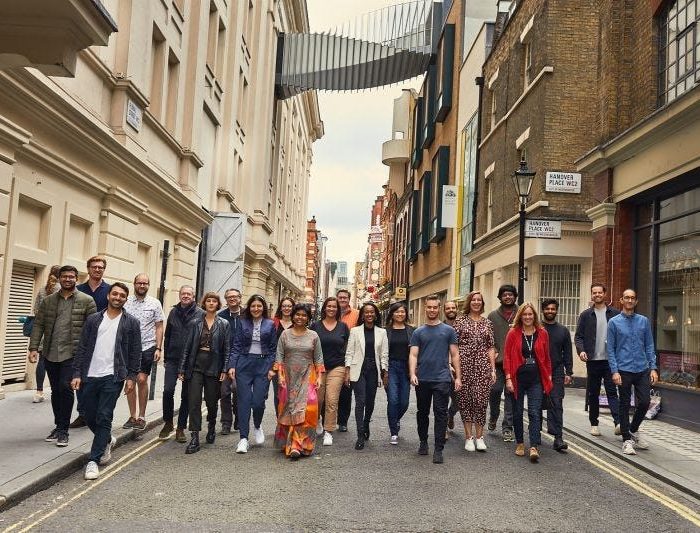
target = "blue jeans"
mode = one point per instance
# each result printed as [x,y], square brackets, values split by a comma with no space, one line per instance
[397,393]
[252,385]
[171,368]
[100,397]
[534,395]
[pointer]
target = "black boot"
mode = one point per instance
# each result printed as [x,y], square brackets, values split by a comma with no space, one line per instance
[193,446]
[559,444]
[211,434]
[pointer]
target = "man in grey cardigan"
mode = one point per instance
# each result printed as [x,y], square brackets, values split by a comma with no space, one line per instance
[502,319]
[59,322]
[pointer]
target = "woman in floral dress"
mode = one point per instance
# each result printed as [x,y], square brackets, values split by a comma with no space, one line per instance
[477,357]
[299,365]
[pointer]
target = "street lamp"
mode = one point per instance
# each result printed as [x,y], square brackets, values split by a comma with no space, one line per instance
[522,179]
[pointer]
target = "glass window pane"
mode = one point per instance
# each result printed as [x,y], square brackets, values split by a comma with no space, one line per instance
[681,203]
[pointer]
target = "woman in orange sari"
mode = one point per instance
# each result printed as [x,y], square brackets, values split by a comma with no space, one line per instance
[299,365]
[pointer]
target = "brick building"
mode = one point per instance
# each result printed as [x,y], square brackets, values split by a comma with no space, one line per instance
[645,167]
[313,238]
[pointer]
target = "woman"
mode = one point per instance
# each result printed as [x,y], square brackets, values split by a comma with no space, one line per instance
[477,367]
[202,365]
[333,334]
[299,366]
[398,385]
[366,364]
[528,372]
[252,355]
[282,320]
[52,285]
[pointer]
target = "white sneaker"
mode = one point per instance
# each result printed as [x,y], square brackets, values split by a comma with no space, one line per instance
[639,442]
[242,446]
[394,440]
[107,454]
[259,435]
[319,428]
[327,439]
[595,431]
[628,448]
[38,397]
[480,445]
[92,471]
[618,431]
[469,444]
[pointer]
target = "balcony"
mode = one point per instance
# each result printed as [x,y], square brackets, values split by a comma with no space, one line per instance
[48,35]
[396,151]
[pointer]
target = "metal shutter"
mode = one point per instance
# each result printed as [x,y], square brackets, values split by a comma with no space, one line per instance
[21,302]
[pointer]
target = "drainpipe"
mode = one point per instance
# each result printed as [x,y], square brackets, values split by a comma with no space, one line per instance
[480,83]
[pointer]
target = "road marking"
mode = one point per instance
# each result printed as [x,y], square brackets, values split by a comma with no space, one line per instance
[109,471]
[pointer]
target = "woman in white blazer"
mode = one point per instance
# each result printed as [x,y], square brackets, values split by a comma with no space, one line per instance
[366,366]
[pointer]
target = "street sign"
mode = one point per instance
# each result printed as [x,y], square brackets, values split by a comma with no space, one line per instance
[133,114]
[449,206]
[543,229]
[569,182]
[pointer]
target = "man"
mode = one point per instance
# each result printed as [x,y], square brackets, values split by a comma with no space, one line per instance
[229,394]
[590,339]
[149,313]
[175,338]
[632,360]
[433,347]
[450,311]
[98,289]
[109,354]
[502,319]
[59,321]
[349,317]
[562,370]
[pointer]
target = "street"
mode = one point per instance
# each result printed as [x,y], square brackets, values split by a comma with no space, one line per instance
[154,486]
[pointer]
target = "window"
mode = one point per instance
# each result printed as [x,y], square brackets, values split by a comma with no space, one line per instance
[445,74]
[489,204]
[527,65]
[468,186]
[493,109]
[563,282]
[212,35]
[173,90]
[430,86]
[679,49]
[158,51]
[417,158]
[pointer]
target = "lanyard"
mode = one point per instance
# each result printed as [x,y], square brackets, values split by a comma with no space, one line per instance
[529,343]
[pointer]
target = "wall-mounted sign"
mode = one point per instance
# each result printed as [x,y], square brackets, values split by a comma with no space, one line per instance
[543,229]
[563,182]
[134,114]
[400,293]
[449,206]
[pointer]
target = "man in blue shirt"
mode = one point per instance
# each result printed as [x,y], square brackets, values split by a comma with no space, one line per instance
[433,346]
[632,360]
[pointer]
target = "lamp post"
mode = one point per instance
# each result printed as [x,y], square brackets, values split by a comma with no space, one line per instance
[522,179]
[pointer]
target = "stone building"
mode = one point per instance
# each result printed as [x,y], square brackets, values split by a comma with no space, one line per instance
[173,121]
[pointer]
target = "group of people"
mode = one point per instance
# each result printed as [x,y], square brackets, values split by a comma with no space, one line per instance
[97,340]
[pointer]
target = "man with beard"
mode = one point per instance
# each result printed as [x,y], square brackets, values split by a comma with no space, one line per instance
[450,311]
[108,355]
[59,321]
[562,370]
[502,319]
[175,337]
[149,313]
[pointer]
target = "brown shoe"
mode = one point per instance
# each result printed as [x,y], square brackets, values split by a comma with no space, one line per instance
[534,455]
[140,423]
[180,436]
[520,450]
[79,422]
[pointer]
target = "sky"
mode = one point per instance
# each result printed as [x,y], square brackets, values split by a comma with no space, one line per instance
[347,173]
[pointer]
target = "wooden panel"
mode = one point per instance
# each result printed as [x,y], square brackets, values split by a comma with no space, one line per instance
[21,302]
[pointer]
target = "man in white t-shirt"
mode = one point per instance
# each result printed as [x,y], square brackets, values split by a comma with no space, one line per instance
[108,355]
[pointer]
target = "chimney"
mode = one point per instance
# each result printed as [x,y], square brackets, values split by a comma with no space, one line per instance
[503,10]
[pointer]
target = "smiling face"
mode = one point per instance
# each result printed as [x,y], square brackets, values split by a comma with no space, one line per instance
[233,299]
[399,316]
[476,304]
[116,298]
[550,312]
[597,294]
[629,301]
[186,296]
[256,309]
[507,298]
[343,300]
[432,309]
[368,315]
[286,307]
[141,285]
[300,319]
[527,317]
[68,280]
[331,309]
[450,310]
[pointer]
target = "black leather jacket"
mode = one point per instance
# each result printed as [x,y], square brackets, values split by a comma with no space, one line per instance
[219,347]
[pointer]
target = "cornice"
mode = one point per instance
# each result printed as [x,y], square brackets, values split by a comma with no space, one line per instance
[13,137]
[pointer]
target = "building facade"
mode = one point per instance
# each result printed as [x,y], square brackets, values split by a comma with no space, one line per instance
[173,121]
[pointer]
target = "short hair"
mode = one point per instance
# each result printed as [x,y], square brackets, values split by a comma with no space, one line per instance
[142,275]
[325,304]
[304,308]
[395,307]
[119,285]
[210,295]
[601,285]
[345,291]
[507,288]
[518,321]
[278,311]
[67,268]
[361,314]
[231,289]
[630,289]
[190,287]
[255,298]
[97,259]
[550,301]
[468,301]
[433,297]
[452,302]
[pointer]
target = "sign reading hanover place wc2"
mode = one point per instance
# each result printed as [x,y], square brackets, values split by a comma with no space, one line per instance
[563,182]
[543,229]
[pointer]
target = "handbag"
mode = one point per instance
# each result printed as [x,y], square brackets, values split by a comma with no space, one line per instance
[27,326]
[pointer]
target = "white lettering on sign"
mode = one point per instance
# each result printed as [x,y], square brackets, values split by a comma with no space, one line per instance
[569,182]
[543,229]
[134,114]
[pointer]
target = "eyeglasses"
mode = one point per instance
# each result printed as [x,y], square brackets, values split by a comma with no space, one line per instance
[97,267]
[629,298]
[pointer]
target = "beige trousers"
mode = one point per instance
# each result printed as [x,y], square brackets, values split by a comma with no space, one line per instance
[328,394]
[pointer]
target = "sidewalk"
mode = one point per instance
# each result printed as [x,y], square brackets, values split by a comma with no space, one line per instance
[673,455]
[28,464]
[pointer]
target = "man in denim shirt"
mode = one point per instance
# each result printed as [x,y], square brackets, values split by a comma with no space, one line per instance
[632,360]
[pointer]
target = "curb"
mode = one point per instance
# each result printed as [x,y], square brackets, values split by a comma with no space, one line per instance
[60,468]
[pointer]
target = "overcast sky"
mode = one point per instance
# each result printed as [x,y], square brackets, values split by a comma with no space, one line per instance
[347,173]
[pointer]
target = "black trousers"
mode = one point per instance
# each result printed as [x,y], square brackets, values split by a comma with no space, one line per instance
[437,393]
[555,411]
[62,397]
[229,402]
[344,405]
[211,387]
[365,394]
[642,395]
[600,371]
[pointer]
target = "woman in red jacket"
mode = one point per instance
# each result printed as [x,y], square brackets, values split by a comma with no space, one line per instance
[528,372]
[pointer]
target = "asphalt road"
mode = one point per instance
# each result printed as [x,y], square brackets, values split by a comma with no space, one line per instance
[154,486]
